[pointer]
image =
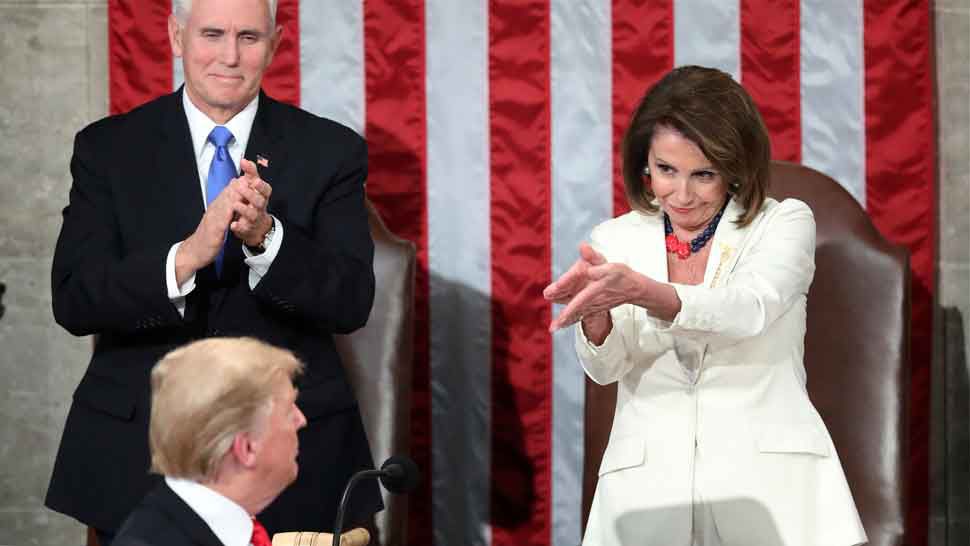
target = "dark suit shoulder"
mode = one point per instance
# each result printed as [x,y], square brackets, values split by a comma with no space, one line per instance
[130,541]
[293,117]
[149,525]
[163,518]
[149,114]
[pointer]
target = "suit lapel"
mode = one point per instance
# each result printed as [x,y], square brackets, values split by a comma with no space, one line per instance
[178,174]
[265,148]
[181,189]
[726,246]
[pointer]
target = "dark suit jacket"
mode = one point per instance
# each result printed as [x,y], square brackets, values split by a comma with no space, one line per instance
[163,519]
[136,191]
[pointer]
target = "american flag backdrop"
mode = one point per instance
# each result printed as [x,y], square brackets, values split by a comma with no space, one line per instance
[493,128]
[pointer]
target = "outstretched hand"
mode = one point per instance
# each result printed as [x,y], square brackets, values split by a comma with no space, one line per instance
[576,278]
[591,286]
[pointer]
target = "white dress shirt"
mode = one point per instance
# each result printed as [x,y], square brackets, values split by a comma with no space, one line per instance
[231,524]
[199,128]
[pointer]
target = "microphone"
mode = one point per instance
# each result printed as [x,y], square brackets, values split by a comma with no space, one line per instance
[399,474]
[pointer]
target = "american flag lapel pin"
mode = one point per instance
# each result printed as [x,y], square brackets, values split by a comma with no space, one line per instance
[262,161]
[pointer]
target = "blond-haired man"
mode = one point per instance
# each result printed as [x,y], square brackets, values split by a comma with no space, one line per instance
[223,433]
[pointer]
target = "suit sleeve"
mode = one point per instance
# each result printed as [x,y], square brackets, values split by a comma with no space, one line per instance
[773,272]
[96,286]
[325,273]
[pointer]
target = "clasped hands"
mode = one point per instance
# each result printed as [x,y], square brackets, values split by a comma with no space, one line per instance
[240,208]
[590,288]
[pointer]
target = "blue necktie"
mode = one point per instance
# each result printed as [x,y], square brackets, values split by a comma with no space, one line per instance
[221,171]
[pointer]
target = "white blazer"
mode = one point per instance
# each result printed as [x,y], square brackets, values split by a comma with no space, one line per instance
[712,411]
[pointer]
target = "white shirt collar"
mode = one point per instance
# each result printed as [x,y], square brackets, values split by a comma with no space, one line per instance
[228,521]
[200,125]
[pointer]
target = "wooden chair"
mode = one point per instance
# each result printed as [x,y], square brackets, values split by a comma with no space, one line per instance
[856,354]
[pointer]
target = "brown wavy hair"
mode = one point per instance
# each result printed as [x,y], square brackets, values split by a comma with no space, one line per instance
[714,112]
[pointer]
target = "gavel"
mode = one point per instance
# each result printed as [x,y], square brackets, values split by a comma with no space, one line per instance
[355,537]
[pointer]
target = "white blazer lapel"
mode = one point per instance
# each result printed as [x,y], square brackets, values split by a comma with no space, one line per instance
[726,246]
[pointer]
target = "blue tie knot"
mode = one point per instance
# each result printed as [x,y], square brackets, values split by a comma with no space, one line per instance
[220,137]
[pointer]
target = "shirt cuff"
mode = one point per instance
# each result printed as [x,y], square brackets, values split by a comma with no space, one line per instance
[176,293]
[259,264]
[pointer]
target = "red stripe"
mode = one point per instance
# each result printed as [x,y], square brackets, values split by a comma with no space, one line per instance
[770,70]
[394,58]
[520,148]
[901,193]
[139,54]
[643,51]
[282,79]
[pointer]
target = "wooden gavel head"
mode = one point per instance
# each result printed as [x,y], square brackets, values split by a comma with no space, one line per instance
[354,537]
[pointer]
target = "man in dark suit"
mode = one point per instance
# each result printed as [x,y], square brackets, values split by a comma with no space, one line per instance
[161,245]
[226,442]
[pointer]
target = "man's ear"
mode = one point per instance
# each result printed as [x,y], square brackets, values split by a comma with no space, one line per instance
[175,35]
[244,449]
[274,41]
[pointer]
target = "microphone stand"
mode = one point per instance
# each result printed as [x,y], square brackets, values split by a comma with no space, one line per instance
[398,475]
[339,524]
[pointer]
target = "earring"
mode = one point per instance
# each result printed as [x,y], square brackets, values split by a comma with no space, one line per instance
[646,170]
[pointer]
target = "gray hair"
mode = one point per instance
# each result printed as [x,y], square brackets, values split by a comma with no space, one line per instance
[181,9]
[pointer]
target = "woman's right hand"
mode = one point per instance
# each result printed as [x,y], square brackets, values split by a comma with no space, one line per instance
[572,282]
[596,325]
[593,286]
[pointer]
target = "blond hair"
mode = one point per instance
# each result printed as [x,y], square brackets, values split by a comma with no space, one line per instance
[205,393]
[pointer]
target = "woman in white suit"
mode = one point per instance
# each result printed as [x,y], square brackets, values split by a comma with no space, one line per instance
[694,302]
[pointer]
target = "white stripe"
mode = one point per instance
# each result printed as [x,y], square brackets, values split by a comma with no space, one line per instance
[178,75]
[332,61]
[460,266]
[832,90]
[708,33]
[582,196]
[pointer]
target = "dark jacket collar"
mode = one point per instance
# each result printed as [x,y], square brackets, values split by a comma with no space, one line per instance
[170,506]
